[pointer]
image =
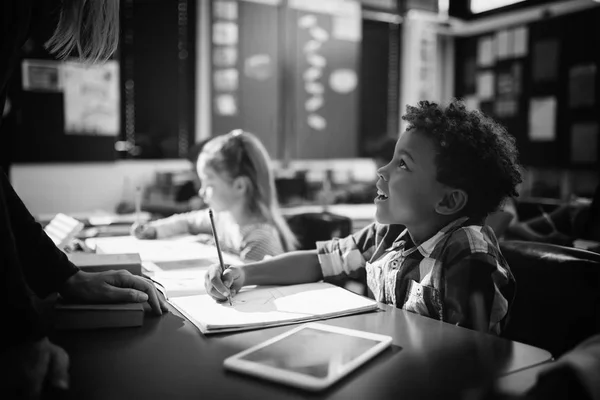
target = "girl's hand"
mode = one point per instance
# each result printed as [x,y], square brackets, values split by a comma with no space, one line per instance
[143,231]
[113,287]
[220,285]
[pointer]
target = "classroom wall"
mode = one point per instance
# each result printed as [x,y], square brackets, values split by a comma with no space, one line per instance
[77,187]
[82,187]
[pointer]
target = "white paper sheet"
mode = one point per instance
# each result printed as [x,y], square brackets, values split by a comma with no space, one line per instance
[542,119]
[485,51]
[520,37]
[503,44]
[269,306]
[176,251]
[91,100]
[485,85]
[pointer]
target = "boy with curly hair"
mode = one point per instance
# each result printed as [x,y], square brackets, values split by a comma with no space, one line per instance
[429,251]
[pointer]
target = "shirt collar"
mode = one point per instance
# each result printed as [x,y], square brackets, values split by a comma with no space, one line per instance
[426,248]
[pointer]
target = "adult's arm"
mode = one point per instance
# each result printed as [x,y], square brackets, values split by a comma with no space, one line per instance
[44,267]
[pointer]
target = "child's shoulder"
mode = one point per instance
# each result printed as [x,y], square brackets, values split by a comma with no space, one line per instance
[471,239]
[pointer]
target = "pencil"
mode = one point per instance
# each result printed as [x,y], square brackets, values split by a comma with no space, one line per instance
[214,230]
[138,203]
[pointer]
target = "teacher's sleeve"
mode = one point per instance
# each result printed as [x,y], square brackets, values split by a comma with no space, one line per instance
[44,267]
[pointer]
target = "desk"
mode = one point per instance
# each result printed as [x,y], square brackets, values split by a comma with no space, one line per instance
[521,381]
[167,358]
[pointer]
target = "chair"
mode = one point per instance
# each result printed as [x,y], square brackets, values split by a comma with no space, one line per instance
[557,301]
[312,227]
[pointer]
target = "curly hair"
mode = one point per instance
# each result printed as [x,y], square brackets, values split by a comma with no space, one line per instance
[474,153]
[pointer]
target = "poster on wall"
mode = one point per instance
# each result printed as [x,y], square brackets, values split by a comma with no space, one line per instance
[542,119]
[91,98]
[41,75]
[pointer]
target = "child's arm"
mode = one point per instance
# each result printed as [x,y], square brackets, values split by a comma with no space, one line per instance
[286,269]
[187,223]
[475,284]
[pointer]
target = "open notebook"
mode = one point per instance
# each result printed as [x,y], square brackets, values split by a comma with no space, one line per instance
[265,306]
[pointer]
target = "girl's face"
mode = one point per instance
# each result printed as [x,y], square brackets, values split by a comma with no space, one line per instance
[217,190]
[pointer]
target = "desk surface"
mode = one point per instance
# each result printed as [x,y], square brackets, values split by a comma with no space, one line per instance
[168,358]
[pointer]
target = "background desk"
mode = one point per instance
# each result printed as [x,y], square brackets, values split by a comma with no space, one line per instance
[167,358]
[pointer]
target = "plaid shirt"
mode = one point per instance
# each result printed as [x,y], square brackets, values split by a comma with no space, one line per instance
[435,279]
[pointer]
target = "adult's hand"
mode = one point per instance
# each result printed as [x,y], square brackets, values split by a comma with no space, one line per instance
[118,286]
[27,367]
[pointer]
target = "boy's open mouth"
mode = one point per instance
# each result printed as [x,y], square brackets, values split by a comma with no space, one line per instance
[381,196]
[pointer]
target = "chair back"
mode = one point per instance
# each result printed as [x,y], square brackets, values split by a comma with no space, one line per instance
[312,227]
[557,301]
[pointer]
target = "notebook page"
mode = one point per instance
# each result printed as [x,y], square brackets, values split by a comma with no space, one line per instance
[272,305]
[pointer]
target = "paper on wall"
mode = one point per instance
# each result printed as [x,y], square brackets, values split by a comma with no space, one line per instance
[519,37]
[542,119]
[485,51]
[503,45]
[485,85]
[41,75]
[91,98]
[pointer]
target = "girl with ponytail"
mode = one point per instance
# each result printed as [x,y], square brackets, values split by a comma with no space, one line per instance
[238,184]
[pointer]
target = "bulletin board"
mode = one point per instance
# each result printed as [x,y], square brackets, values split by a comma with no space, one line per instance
[288,73]
[540,81]
[64,111]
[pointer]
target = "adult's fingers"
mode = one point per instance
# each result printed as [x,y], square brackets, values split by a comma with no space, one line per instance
[127,287]
[59,367]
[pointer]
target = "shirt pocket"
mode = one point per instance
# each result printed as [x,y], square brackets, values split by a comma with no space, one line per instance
[375,281]
[423,300]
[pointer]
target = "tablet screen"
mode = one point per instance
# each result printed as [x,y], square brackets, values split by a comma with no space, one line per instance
[312,352]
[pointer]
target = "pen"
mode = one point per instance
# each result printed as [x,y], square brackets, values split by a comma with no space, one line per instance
[214,229]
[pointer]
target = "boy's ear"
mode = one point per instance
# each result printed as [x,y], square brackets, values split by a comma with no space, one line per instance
[452,202]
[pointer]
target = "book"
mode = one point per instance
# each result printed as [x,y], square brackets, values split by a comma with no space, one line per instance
[267,306]
[93,262]
[97,316]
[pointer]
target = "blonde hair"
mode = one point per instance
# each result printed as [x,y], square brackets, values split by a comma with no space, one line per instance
[90,26]
[240,153]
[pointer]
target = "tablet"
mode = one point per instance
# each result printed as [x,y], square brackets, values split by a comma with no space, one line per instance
[311,356]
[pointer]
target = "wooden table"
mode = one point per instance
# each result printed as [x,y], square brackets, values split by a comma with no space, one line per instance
[168,358]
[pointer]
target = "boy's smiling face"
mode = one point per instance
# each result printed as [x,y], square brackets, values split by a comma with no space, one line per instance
[408,190]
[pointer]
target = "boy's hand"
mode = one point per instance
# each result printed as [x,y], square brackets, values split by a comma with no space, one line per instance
[29,366]
[113,287]
[220,285]
[143,231]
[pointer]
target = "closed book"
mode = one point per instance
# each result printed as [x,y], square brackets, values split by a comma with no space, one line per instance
[93,262]
[97,316]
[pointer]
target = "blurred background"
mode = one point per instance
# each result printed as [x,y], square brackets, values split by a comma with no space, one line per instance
[322,83]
